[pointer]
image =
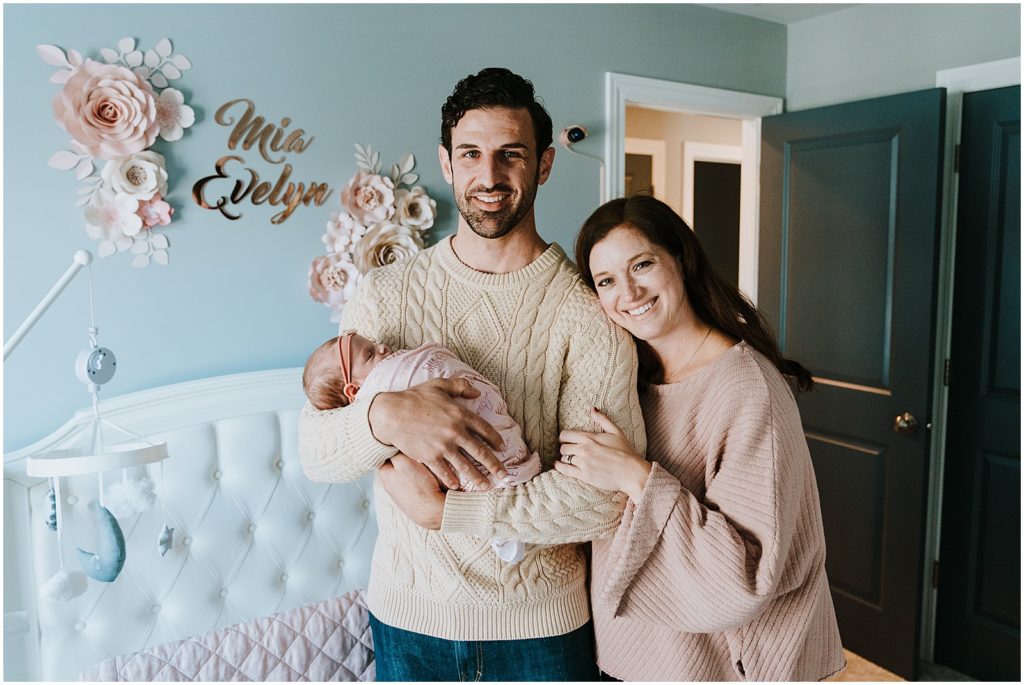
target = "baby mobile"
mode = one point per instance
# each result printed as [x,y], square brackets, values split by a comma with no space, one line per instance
[384,219]
[114,111]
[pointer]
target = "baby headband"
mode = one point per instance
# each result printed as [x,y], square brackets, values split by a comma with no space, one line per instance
[345,357]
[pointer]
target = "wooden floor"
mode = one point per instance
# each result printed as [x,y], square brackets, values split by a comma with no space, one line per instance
[858,669]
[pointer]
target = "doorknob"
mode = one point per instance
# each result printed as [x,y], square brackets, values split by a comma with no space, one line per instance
[905,423]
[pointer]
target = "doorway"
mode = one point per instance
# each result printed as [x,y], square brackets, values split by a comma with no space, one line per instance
[741,109]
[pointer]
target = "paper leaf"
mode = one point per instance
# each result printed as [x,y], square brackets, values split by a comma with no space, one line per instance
[361,150]
[106,249]
[141,261]
[152,59]
[84,190]
[159,241]
[409,179]
[140,247]
[123,243]
[85,168]
[141,72]
[395,174]
[376,162]
[160,257]
[407,163]
[158,80]
[126,44]
[75,57]
[60,77]
[163,48]
[181,62]
[110,56]
[64,160]
[170,71]
[53,55]
[133,58]
[84,201]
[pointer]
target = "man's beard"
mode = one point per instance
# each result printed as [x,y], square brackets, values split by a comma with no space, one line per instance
[496,224]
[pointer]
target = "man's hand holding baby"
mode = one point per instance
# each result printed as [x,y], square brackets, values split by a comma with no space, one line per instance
[430,427]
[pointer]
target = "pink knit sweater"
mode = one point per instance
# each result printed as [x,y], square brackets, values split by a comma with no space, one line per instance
[718,572]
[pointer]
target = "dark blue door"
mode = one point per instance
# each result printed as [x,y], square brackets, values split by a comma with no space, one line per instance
[850,198]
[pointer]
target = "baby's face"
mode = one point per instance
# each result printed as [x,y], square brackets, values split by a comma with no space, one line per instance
[365,356]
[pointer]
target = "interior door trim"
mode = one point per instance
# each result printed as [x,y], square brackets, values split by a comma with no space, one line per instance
[673,96]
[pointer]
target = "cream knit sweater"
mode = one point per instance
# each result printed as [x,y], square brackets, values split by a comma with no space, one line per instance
[538,334]
[718,572]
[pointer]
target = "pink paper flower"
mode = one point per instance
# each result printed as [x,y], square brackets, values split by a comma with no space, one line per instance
[332,279]
[343,232]
[414,208]
[141,175]
[173,115]
[369,198]
[108,109]
[155,212]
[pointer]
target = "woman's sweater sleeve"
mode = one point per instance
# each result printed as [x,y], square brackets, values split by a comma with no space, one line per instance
[711,564]
[337,445]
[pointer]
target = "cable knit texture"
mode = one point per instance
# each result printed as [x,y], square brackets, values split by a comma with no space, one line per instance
[718,571]
[539,335]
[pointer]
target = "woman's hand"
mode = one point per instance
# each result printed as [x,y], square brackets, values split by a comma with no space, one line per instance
[605,460]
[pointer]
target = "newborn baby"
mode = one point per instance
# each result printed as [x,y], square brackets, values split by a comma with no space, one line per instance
[350,367]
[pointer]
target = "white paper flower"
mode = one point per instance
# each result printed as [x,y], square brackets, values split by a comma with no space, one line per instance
[384,243]
[415,208]
[343,232]
[173,115]
[112,219]
[332,279]
[141,176]
[369,198]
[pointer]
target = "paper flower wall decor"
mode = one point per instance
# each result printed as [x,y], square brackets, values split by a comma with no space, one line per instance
[114,111]
[383,219]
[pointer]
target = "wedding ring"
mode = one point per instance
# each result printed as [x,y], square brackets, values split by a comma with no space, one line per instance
[568,459]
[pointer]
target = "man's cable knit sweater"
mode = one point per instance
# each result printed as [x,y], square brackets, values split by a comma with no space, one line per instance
[538,334]
[718,571]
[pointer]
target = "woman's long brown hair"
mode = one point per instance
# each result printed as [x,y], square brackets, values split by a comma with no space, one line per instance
[714,300]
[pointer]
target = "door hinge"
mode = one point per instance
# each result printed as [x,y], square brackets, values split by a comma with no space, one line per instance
[956,158]
[945,373]
[935,574]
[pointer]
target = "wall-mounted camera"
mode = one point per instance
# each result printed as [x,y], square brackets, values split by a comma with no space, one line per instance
[572,134]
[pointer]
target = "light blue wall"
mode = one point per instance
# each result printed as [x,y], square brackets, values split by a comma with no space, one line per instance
[234,295]
[872,50]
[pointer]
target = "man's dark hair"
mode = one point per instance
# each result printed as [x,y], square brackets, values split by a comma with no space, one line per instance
[494,87]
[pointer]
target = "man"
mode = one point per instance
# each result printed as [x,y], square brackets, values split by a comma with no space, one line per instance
[443,606]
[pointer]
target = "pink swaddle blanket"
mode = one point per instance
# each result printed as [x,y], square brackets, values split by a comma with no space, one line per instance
[406,368]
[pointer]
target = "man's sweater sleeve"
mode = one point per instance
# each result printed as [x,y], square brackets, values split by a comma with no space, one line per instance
[552,508]
[337,445]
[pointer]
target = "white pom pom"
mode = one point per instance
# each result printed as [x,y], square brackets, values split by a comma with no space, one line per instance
[63,586]
[125,499]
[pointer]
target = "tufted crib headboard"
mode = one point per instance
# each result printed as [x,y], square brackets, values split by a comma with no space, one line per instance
[253,536]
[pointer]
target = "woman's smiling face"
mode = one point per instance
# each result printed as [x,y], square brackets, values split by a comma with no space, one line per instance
[639,284]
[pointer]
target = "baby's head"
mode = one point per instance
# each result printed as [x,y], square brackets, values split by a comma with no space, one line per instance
[337,368]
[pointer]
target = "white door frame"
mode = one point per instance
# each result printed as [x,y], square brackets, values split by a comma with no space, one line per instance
[671,96]
[957,81]
[703,152]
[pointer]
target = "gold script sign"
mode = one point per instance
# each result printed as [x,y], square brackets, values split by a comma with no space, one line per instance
[273,144]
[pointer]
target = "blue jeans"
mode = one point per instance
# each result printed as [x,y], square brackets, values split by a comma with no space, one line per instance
[402,655]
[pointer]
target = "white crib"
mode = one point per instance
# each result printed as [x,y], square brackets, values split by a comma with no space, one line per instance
[253,536]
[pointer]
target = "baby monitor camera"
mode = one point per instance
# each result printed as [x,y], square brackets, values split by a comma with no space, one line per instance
[572,134]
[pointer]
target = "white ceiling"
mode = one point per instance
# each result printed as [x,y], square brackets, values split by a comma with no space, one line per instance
[780,13]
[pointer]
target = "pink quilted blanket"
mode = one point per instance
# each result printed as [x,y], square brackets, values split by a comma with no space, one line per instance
[322,641]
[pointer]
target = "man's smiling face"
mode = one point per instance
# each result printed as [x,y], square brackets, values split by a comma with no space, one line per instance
[494,169]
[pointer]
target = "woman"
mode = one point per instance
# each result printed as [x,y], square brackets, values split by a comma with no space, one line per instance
[717,571]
